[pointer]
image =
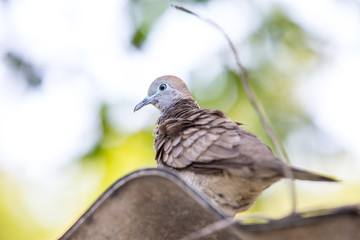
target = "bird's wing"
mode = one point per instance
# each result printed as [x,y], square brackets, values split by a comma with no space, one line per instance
[207,139]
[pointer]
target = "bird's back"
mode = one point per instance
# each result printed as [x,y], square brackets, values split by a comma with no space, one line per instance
[202,139]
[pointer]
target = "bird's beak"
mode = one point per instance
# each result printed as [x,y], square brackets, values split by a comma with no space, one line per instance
[144,102]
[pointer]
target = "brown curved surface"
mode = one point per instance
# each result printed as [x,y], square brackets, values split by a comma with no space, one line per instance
[157,204]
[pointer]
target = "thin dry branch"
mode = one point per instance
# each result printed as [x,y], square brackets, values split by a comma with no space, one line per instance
[265,121]
[209,229]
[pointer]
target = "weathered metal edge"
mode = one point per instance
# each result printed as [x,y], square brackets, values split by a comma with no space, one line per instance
[294,220]
[165,173]
[302,218]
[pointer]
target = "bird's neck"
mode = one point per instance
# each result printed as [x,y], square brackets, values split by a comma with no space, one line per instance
[178,109]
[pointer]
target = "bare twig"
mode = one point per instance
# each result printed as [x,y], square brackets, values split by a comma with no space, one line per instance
[209,229]
[265,121]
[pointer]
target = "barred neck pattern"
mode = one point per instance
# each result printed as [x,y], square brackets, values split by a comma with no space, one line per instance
[179,109]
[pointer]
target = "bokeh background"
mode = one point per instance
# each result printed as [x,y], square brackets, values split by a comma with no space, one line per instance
[72,71]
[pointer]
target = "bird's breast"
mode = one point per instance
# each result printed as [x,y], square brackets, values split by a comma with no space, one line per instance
[232,194]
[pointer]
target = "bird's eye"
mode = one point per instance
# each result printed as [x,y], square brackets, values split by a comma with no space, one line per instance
[162,87]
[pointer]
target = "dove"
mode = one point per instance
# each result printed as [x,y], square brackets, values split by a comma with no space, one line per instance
[215,155]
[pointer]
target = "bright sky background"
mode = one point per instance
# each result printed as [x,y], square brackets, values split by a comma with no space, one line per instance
[82,46]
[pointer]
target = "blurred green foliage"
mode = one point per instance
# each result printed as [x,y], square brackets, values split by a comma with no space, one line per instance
[118,153]
[144,15]
[281,52]
[16,222]
[29,73]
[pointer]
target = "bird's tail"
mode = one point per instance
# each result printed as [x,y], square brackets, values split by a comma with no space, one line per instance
[310,176]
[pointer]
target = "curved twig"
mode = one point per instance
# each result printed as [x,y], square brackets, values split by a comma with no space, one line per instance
[264,119]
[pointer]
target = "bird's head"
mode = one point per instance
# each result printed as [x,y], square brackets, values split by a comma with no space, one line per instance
[165,91]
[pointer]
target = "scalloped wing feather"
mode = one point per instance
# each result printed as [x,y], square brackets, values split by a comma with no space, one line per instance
[204,137]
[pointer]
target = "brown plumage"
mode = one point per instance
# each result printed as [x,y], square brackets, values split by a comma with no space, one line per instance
[230,165]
